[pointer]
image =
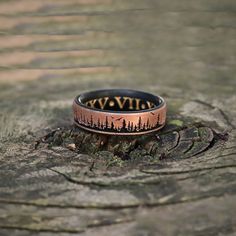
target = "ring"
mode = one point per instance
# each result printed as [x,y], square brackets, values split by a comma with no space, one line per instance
[119,112]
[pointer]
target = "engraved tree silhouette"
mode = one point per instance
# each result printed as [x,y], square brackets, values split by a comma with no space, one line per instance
[158,119]
[148,124]
[106,122]
[139,123]
[123,125]
[112,126]
[91,121]
[86,121]
[128,128]
[144,126]
[99,123]
[132,126]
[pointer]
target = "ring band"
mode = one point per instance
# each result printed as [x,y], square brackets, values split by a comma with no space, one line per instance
[119,112]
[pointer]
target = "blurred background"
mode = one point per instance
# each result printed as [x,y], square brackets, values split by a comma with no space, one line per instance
[52,50]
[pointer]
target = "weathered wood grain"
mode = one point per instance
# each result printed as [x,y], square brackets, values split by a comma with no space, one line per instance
[56,179]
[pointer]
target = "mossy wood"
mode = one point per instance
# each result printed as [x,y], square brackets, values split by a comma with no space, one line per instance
[57,179]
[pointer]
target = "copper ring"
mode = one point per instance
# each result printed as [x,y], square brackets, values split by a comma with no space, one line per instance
[119,112]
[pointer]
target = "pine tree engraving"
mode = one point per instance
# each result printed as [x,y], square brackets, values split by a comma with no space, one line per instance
[144,126]
[106,123]
[148,124]
[128,128]
[139,123]
[132,126]
[112,126]
[158,120]
[91,121]
[99,124]
[124,125]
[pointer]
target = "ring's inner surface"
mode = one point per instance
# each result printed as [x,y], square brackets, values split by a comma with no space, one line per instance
[117,100]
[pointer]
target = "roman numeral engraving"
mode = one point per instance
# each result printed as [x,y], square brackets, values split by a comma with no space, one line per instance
[91,103]
[130,103]
[102,102]
[150,104]
[121,104]
[137,101]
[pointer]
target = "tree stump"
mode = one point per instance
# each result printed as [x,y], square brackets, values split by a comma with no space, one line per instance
[58,179]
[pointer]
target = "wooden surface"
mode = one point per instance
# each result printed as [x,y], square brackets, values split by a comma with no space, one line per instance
[55,179]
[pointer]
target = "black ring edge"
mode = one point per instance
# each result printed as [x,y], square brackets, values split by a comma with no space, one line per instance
[78,101]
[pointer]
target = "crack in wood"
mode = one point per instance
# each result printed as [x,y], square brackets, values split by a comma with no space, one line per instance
[157,203]
[46,230]
[94,224]
[108,222]
[160,172]
[177,141]
[226,118]
[145,180]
